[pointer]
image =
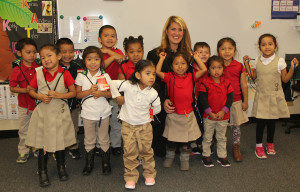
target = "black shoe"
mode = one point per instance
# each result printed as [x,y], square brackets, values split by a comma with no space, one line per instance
[42,168]
[196,150]
[106,169]
[97,151]
[207,162]
[224,162]
[116,151]
[75,154]
[61,165]
[89,162]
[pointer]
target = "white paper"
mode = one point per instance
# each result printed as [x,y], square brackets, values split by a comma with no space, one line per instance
[72,28]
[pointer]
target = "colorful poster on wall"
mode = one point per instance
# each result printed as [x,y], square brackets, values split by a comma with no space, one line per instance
[284,9]
[24,18]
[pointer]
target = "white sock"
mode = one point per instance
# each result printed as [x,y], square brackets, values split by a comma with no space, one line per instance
[259,145]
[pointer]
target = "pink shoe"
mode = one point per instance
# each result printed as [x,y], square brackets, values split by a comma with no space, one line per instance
[149,181]
[130,185]
[260,153]
[270,149]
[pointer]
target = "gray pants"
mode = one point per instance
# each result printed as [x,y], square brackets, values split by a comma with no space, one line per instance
[23,121]
[75,116]
[115,125]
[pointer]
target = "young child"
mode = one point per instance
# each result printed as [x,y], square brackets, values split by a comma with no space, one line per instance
[141,103]
[236,74]
[112,57]
[22,74]
[51,128]
[65,47]
[134,50]
[96,110]
[181,127]
[216,98]
[269,102]
[204,50]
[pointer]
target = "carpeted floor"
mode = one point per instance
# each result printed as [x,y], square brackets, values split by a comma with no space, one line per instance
[277,173]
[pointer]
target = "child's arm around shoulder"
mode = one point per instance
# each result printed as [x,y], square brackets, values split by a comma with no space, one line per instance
[159,73]
[287,76]
[113,57]
[200,64]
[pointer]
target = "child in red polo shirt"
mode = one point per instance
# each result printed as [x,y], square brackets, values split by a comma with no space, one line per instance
[112,58]
[216,98]
[134,50]
[22,74]
[236,74]
[181,126]
[51,128]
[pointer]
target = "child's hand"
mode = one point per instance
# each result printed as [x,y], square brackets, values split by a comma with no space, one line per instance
[244,106]
[94,88]
[220,115]
[197,55]
[52,94]
[45,98]
[246,59]
[119,58]
[212,116]
[294,63]
[97,94]
[120,100]
[104,50]
[162,55]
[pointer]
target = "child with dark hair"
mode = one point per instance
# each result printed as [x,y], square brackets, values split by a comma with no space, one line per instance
[216,98]
[51,128]
[134,50]
[65,47]
[269,101]
[181,126]
[22,74]
[112,58]
[96,110]
[141,103]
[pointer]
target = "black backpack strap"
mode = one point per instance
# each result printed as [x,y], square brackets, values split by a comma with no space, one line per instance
[120,85]
[23,74]
[153,100]
[121,67]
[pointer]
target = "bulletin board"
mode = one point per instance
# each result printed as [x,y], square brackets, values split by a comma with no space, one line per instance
[206,20]
[34,19]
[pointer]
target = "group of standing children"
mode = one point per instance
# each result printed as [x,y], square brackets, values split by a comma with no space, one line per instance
[221,90]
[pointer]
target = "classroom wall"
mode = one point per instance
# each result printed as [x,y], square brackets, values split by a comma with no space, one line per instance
[206,20]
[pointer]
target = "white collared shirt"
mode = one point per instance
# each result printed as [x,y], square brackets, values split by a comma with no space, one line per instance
[135,110]
[266,61]
[93,109]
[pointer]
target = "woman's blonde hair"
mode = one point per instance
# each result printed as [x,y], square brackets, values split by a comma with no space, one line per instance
[184,46]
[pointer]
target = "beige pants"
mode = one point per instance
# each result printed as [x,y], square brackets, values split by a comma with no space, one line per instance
[74,116]
[90,135]
[209,128]
[23,121]
[137,141]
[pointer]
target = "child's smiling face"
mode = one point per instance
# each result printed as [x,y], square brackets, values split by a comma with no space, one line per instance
[179,66]
[108,38]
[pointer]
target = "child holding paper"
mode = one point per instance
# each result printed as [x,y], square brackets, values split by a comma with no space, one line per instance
[92,87]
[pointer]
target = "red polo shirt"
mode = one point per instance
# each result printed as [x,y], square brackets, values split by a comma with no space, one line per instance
[217,94]
[68,79]
[180,91]
[113,68]
[128,69]
[198,81]
[232,72]
[17,78]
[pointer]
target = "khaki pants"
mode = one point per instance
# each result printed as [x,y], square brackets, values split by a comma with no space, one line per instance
[209,128]
[74,116]
[137,141]
[23,121]
[90,135]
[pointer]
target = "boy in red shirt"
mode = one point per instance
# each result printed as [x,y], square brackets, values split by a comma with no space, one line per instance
[22,74]
[112,58]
